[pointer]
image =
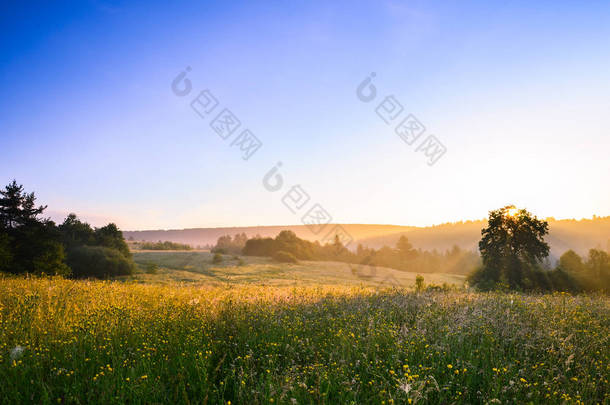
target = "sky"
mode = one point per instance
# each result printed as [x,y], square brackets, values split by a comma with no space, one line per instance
[517,94]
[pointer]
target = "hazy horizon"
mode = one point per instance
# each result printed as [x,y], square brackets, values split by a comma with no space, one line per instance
[59,216]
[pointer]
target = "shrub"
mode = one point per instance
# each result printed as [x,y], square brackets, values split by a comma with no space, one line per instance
[217,258]
[284,257]
[419,283]
[151,268]
[99,262]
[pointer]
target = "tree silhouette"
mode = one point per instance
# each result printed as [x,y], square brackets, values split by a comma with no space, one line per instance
[29,244]
[17,207]
[512,248]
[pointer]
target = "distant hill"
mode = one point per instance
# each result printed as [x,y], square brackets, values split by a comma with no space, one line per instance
[579,235]
[205,236]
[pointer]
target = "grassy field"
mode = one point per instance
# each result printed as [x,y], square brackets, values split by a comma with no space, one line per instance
[65,341]
[197,267]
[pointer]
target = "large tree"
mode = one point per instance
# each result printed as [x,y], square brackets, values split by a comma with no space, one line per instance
[110,236]
[75,232]
[405,249]
[512,248]
[18,208]
[29,243]
[598,268]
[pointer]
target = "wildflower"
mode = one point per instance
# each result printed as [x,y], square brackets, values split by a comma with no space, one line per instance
[16,352]
[449,366]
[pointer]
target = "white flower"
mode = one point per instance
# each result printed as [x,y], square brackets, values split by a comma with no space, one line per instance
[16,352]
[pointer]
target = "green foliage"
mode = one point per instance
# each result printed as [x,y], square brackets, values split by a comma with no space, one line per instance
[590,275]
[6,255]
[259,247]
[49,258]
[284,257]
[217,258]
[228,245]
[18,208]
[151,268]
[76,233]
[571,262]
[166,245]
[512,249]
[85,245]
[598,267]
[419,283]
[111,237]
[99,262]
[28,244]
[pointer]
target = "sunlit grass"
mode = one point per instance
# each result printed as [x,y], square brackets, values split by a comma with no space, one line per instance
[197,267]
[101,342]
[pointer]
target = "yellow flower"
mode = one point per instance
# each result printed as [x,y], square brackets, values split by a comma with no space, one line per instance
[449,366]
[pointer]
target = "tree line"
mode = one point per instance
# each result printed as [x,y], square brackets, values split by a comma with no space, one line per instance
[228,245]
[165,245]
[287,247]
[32,244]
[515,257]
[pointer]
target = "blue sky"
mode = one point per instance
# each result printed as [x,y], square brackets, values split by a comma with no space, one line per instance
[518,93]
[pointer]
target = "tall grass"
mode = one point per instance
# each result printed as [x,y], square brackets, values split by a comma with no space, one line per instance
[67,341]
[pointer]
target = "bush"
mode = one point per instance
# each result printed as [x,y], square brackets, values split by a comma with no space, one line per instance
[151,268]
[217,258]
[99,262]
[419,283]
[284,257]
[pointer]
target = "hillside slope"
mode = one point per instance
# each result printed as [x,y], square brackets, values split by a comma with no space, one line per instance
[579,235]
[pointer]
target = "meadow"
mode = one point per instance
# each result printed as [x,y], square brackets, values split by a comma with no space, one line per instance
[132,341]
[197,267]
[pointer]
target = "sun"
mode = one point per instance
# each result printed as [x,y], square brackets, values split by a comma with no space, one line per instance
[513,211]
